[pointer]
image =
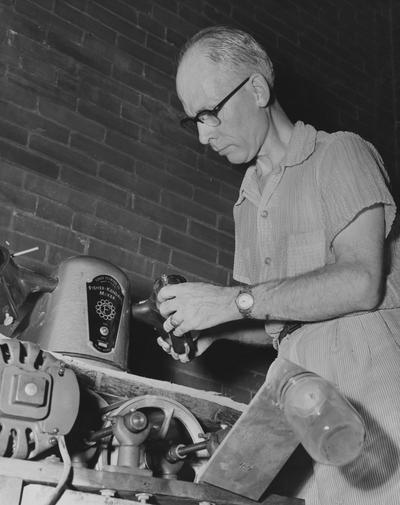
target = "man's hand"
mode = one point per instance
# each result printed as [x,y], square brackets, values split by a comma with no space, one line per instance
[196,306]
[201,344]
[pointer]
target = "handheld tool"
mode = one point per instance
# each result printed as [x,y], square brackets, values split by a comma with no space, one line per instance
[148,312]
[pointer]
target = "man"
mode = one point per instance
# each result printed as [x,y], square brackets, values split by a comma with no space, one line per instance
[313,251]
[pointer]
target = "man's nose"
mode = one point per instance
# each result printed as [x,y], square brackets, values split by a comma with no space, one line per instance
[205,133]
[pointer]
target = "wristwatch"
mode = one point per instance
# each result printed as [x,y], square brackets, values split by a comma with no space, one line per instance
[245,301]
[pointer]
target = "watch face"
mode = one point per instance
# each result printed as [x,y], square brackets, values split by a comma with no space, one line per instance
[245,301]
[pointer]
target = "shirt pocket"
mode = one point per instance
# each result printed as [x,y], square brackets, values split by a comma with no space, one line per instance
[306,252]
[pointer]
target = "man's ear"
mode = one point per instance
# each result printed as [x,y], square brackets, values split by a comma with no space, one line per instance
[261,90]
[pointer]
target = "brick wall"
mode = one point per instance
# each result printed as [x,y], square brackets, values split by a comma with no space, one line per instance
[92,160]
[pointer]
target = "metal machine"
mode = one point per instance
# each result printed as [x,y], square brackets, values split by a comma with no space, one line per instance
[60,433]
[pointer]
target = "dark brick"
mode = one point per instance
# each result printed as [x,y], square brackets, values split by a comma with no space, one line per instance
[226,224]
[63,154]
[175,38]
[132,148]
[111,86]
[117,57]
[13,196]
[191,175]
[105,232]
[67,83]
[39,69]
[211,236]
[79,53]
[9,56]
[164,81]
[140,84]
[42,88]
[229,192]
[117,23]
[121,9]
[12,92]
[48,231]
[136,114]
[57,255]
[185,243]
[147,56]
[33,122]
[187,207]
[45,18]
[60,193]
[129,262]
[128,220]
[11,174]
[107,119]
[151,26]
[160,46]
[122,178]
[70,119]
[55,212]
[147,189]
[100,98]
[203,269]
[169,147]
[27,159]
[220,170]
[42,52]
[159,214]
[173,21]
[100,152]
[193,16]
[164,179]
[21,25]
[19,242]
[212,201]
[12,132]
[155,250]
[225,259]
[93,186]
[83,21]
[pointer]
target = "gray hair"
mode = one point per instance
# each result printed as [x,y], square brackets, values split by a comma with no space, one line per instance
[234,48]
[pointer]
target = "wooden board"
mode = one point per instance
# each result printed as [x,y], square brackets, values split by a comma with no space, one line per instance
[127,486]
[254,451]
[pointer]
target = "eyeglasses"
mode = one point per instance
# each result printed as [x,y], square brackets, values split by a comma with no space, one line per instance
[210,117]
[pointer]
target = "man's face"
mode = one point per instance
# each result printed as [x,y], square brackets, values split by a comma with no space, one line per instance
[202,84]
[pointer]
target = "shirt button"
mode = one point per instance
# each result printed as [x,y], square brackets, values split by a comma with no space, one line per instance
[264,213]
[267,260]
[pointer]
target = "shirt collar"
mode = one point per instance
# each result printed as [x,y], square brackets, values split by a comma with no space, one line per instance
[301,146]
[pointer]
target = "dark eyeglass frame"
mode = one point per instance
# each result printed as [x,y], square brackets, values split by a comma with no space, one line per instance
[188,122]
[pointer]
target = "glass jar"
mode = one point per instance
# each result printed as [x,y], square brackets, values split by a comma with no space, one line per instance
[328,426]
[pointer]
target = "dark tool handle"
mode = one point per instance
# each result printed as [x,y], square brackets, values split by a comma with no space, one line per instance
[178,343]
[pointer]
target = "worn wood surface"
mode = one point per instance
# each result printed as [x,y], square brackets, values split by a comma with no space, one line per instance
[254,451]
[163,491]
[210,408]
[36,494]
[10,489]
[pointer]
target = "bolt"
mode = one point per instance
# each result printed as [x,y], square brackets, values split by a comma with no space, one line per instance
[61,370]
[52,441]
[206,503]
[143,497]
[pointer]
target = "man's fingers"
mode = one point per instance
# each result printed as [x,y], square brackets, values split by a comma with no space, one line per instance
[164,344]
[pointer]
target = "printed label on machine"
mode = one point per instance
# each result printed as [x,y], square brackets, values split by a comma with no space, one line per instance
[105,300]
